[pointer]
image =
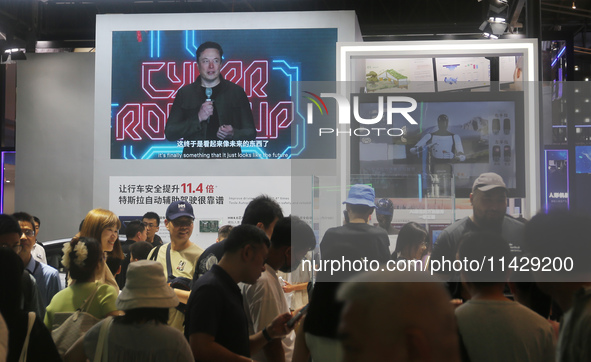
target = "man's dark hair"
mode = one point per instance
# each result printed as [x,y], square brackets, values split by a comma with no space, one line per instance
[560,234]
[484,244]
[152,215]
[24,217]
[293,231]
[209,45]
[11,267]
[86,272]
[36,219]
[224,231]
[9,225]
[134,227]
[144,315]
[140,250]
[243,235]
[262,209]
[113,263]
[361,210]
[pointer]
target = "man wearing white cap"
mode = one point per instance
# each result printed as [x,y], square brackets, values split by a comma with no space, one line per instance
[489,205]
[178,258]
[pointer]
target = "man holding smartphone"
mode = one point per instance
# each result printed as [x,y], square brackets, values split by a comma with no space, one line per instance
[292,238]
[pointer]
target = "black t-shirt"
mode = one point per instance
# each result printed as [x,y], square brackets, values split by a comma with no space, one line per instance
[352,242]
[215,308]
[157,241]
[448,241]
[209,257]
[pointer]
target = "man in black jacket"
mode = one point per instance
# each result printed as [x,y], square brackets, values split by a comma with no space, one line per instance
[212,116]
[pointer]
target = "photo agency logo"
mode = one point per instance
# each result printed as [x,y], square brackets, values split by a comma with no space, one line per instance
[393,104]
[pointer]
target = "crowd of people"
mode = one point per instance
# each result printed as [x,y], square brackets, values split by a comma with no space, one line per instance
[145,300]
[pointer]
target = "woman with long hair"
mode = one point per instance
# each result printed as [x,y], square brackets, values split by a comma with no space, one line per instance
[81,257]
[411,243]
[103,225]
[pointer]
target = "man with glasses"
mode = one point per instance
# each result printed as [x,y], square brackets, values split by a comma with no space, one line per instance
[10,233]
[179,257]
[489,207]
[38,249]
[47,277]
[152,221]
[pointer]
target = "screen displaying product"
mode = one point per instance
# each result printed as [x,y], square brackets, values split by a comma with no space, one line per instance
[583,157]
[455,134]
[149,68]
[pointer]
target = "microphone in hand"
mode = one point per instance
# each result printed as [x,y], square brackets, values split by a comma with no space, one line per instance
[208,93]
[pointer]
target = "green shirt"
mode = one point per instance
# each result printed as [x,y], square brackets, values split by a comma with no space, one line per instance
[71,298]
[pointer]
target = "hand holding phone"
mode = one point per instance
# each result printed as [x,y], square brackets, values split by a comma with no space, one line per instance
[297,316]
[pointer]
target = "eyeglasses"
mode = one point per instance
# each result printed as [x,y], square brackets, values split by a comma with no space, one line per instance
[28,232]
[181,223]
[17,248]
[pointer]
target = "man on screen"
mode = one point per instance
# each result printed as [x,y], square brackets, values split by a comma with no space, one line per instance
[442,144]
[210,110]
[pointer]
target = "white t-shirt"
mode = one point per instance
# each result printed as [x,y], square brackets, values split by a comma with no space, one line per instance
[263,301]
[38,253]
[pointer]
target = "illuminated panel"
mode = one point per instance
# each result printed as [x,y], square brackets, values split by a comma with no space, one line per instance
[153,151]
[127,120]
[159,63]
[280,117]
[2,168]
[148,68]
[260,69]
[293,75]
[152,115]
[155,44]
[232,71]
[190,42]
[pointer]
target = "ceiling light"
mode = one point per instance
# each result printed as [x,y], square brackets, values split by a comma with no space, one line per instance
[574,6]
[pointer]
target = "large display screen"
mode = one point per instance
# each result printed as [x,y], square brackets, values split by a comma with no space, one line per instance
[149,67]
[457,137]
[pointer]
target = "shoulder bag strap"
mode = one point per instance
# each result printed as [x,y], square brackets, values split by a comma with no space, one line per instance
[24,351]
[89,299]
[102,345]
[169,263]
[155,253]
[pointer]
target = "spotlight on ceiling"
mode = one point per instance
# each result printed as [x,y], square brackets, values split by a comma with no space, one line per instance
[10,55]
[496,23]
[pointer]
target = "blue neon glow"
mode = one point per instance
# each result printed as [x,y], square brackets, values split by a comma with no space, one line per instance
[114,104]
[558,56]
[294,72]
[155,43]
[130,153]
[420,187]
[153,150]
[255,150]
[546,177]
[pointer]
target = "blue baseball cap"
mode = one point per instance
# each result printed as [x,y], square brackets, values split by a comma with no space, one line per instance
[178,209]
[361,195]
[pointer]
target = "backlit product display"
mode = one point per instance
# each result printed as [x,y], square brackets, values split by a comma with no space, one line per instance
[456,134]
